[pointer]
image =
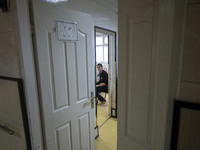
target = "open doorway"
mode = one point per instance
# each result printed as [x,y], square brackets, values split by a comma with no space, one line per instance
[102,57]
[105,50]
[67,66]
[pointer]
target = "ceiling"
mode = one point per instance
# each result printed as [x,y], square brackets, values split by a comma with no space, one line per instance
[113,2]
[94,5]
[110,4]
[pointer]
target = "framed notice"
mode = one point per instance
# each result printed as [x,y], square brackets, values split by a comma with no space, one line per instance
[66,31]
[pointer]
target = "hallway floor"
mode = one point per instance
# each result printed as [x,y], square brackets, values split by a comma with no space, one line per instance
[107,139]
[102,113]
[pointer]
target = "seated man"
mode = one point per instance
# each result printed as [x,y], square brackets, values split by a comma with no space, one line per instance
[102,84]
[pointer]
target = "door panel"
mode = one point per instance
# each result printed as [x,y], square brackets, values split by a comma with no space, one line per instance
[82,68]
[138,108]
[84,132]
[145,56]
[66,77]
[58,69]
[64,132]
[138,102]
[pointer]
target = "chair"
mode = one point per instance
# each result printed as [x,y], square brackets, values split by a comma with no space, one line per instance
[105,94]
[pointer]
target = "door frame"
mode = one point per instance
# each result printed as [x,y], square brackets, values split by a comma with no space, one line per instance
[24,34]
[28,71]
[113,111]
[178,106]
[23,107]
[29,75]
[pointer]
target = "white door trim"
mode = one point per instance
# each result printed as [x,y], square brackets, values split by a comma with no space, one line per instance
[112,58]
[29,74]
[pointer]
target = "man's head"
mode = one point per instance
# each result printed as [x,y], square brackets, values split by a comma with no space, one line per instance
[99,67]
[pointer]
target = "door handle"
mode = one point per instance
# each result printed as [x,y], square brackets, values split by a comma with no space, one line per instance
[6,129]
[92,101]
[91,98]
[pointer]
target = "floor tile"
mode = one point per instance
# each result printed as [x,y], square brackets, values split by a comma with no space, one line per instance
[107,139]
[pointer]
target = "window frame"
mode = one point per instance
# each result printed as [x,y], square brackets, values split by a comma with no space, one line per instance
[103,45]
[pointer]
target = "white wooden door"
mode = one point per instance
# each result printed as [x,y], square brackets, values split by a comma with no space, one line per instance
[12,133]
[145,88]
[66,77]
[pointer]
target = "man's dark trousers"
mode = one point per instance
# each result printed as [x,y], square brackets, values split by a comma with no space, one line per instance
[99,90]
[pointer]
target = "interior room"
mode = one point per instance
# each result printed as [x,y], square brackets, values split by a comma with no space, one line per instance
[106,116]
[48,74]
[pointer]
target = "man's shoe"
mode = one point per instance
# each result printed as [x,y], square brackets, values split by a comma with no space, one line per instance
[103,101]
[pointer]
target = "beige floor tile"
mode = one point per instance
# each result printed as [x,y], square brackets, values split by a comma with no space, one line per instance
[107,139]
[102,113]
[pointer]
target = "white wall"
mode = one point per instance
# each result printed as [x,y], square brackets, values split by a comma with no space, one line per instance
[9,51]
[106,19]
[103,16]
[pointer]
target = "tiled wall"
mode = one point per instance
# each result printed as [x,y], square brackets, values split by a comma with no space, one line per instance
[9,53]
[190,77]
